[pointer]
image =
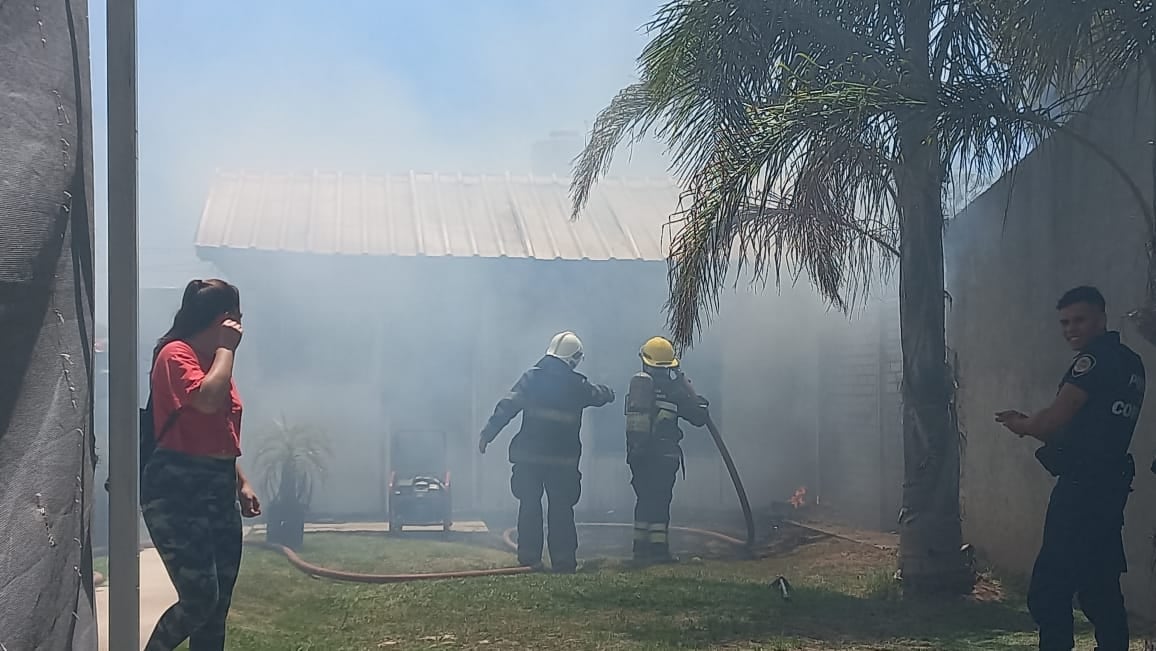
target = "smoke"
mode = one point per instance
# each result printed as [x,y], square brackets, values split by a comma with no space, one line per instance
[358,348]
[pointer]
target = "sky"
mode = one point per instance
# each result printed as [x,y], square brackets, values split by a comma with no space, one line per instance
[352,86]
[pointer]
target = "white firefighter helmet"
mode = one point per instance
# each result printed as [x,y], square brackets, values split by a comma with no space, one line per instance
[567,347]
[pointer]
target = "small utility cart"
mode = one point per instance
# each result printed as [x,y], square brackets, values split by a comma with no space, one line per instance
[419,481]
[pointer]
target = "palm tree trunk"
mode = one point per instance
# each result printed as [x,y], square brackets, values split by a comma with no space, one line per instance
[930,557]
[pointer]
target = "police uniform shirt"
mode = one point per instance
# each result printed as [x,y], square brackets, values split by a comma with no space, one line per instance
[1113,377]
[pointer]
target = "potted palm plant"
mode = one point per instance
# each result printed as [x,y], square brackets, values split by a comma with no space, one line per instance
[293,460]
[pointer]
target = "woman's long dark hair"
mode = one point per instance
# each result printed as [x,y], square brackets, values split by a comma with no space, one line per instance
[203,303]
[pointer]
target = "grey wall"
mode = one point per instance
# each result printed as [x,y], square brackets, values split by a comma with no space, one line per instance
[812,401]
[1069,221]
[360,346]
[363,347]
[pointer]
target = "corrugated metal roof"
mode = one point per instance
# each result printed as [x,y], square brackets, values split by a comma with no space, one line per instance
[437,215]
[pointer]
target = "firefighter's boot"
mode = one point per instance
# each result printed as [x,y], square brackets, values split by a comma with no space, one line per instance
[642,548]
[659,539]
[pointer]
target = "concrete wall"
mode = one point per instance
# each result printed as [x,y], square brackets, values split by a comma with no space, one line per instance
[812,401]
[1064,219]
[861,436]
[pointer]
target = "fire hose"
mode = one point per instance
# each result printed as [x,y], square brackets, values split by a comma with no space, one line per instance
[358,577]
[748,517]
[508,534]
[507,537]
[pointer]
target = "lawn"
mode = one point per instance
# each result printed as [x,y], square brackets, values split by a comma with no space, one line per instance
[100,564]
[843,599]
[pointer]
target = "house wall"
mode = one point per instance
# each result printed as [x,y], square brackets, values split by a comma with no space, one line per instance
[1063,219]
[813,402]
[363,347]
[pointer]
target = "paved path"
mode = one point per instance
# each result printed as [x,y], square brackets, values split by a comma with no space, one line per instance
[156,595]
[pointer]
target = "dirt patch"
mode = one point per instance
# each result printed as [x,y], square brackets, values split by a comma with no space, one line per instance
[988,590]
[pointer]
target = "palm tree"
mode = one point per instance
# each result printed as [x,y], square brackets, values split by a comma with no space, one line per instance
[816,136]
[293,460]
[1080,50]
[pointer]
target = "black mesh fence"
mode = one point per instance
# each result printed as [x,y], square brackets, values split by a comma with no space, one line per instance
[46,293]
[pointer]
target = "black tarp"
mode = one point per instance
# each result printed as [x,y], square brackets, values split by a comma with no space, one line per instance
[46,293]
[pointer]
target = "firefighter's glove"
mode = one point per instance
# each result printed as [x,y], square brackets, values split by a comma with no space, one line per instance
[482,445]
[606,393]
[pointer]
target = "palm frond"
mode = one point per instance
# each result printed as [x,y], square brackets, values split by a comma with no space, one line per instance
[782,118]
[1062,47]
[629,114]
[986,128]
[709,59]
[295,455]
[805,188]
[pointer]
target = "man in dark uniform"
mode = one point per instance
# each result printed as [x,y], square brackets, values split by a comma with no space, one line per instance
[1086,433]
[658,397]
[545,452]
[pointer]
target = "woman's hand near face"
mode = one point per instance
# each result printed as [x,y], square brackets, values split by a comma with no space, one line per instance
[230,334]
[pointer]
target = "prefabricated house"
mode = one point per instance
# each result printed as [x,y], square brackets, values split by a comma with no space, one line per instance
[382,305]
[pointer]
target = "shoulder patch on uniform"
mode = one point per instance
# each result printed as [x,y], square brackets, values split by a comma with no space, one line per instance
[1082,365]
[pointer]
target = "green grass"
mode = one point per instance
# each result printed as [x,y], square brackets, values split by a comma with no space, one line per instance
[101,564]
[377,554]
[843,599]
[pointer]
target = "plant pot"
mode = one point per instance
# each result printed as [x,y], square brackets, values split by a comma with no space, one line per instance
[286,525]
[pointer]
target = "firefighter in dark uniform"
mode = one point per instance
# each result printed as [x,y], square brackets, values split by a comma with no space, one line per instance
[1086,433]
[546,450]
[658,397]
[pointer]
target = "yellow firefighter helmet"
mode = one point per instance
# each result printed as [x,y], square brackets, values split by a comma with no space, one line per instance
[659,353]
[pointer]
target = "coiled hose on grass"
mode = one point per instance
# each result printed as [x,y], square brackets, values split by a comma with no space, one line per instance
[507,536]
[359,577]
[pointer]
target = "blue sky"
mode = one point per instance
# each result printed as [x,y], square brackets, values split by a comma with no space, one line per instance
[352,85]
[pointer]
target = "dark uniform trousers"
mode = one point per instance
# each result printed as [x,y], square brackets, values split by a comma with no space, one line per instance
[1082,555]
[562,484]
[545,453]
[652,477]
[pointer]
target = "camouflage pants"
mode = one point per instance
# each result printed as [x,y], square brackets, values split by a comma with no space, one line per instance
[190,508]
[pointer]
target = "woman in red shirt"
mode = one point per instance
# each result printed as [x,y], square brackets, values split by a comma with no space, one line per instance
[192,483]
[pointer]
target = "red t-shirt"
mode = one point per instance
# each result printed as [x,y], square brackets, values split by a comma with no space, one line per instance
[177,374]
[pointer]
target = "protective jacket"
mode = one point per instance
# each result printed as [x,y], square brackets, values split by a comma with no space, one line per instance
[657,399]
[550,396]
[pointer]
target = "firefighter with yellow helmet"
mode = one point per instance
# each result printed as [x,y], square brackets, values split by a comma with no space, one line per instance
[545,452]
[658,397]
